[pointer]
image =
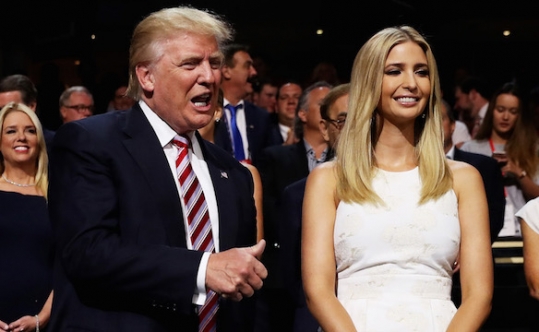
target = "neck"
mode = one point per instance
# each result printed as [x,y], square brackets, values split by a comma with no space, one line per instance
[498,138]
[232,94]
[286,121]
[318,144]
[479,105]
[19,177]
[395,151]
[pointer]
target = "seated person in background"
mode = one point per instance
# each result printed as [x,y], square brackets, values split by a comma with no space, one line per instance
[76,102]
[264,94]
[529,223]
[120,100]
[506,135]
[288,96]
[487,167]
[333,110]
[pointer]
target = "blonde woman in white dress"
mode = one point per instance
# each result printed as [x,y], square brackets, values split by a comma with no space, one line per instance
[385,224]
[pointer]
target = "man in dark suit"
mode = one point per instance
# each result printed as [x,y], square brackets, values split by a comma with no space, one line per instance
[280,166]
[488,168]
[333,111]
[247,127]
[125,258]
[282,127]
[492,180]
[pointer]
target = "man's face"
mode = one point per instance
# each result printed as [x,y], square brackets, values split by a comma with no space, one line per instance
[288,102]
[182,86]
[331,129]
[242,73]
[122,101]
[13,96]
[78,106]
[447,126]
[462,101]
[267,97]
[311,116]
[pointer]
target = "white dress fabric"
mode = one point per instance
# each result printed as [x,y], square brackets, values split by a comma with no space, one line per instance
[394,262]
[529,214]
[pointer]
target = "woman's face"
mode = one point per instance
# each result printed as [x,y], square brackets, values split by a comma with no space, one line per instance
[405,84]
[19,139]
[505,113]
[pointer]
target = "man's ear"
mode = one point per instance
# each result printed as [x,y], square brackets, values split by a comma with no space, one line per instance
[63,113]
[323,125]
[145,77]
[225,72]
[33,106]
[473,94]
[302,115]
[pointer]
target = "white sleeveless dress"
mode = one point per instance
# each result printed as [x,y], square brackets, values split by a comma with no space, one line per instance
[394,263]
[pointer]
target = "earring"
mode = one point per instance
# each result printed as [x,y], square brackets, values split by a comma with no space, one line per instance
[423,116]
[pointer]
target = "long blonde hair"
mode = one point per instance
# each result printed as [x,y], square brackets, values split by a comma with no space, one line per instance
[42,161]
[355,151]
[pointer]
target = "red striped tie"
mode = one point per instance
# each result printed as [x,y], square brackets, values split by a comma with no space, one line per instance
[199,226]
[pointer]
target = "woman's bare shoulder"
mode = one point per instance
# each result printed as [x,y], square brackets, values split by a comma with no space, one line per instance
[463,173]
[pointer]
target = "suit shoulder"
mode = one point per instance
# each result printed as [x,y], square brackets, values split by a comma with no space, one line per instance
[477,159]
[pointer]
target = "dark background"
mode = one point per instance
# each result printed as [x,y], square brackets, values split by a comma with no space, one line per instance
[466,36]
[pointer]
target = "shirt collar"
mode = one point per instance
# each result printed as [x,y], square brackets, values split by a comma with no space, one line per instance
[451,153]
[164,132]
[226,102]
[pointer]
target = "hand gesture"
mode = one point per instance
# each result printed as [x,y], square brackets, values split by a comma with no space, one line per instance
[23,324]
[3,326]
[236,272]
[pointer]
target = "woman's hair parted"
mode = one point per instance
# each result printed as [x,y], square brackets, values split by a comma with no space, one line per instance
[42,161]
[355,151]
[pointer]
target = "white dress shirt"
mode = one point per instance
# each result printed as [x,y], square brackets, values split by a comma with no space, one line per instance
[241,122]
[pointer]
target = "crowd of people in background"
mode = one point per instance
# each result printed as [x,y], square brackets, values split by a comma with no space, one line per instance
[377,144]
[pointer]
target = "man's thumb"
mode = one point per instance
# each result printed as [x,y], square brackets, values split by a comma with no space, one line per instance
[258,248]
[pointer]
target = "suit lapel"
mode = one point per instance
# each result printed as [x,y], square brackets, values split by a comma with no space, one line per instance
[223,185]
[145,148]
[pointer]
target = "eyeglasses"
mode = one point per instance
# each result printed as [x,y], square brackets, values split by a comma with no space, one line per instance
[338,123]
[81,108]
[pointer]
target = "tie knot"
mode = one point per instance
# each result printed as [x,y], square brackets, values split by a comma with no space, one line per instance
[181,141]
[233,108]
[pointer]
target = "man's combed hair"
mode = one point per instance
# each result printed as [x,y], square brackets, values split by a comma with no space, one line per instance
[355,151]
[150,34]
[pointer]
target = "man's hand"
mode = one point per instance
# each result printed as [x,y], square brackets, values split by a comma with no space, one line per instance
[236,272]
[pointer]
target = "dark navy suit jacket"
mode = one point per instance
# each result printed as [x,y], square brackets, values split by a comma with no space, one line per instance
[493,181]
[280,166]
[122,259]
[291,211]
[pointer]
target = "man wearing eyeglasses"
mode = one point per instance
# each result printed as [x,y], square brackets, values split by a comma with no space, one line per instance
[281,165]
[333,111]
[76,103]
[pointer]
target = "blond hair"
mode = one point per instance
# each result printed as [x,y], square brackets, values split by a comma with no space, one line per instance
[355,151]
[42,161]
[152,32]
